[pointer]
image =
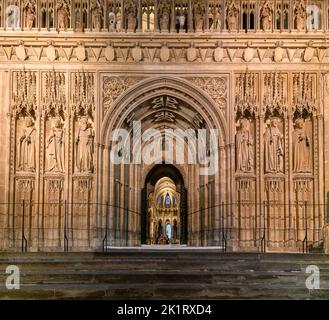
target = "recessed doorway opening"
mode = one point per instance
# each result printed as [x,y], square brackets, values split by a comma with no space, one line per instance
[164,212]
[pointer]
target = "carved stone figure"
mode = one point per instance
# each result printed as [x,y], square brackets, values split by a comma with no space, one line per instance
[273,143]
[301,148]
[266,13]
[30,12]
[97,15]
[85,147]
[26,147]
[232,16]
[63,10]
[131,14]
[55,147]
[198,22]
[164,21]
[300,15]
[198,18]
[244,147]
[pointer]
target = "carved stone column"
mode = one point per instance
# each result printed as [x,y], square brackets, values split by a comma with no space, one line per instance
[173,17]
[156,16]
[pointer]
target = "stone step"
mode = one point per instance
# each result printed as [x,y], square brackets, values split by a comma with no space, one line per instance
[153,276]
[164,274]
[162,291]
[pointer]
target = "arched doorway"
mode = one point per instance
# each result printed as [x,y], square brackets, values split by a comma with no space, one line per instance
[161,118]
[164,207]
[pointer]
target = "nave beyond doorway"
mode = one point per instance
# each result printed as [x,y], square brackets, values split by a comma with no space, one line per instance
[165,210]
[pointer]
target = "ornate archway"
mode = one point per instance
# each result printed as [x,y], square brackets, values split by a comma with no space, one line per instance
[163,104]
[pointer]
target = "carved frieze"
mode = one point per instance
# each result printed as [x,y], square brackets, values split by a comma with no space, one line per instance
[24,101]
[275,94]
[54,94]
[246,93]
[83,97]
[304,95]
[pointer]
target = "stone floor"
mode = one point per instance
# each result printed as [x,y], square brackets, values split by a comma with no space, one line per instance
[165,273]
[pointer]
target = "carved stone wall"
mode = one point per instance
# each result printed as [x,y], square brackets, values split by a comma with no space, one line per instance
[277,144]
[173,65]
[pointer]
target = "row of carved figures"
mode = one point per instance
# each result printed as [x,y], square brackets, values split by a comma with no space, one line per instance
[84,155]
[273,147]
[167,15]
[55,147]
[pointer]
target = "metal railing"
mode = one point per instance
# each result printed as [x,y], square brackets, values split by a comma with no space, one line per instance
[256,227]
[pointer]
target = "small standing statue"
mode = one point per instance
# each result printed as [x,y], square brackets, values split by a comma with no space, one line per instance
[131,12]
[198,19]
[63,10]
[273,142]
[30,13]
[164,20]
[85,147]
[266,13]
[300,15]
[97,15]
[301,148]
[232,16]
[55,147]
[244,147]
[26,147]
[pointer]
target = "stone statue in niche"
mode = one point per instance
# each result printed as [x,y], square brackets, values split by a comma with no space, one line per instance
[266,16]
[132,18]
[198,22]
[244,147]
[198,19]
[26,157]
[30,13]
[300,15]
[274,151]
[301,148]
[232,17]
[85,147]
[55,147]
[63,14]
[164,21]
[97,15]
